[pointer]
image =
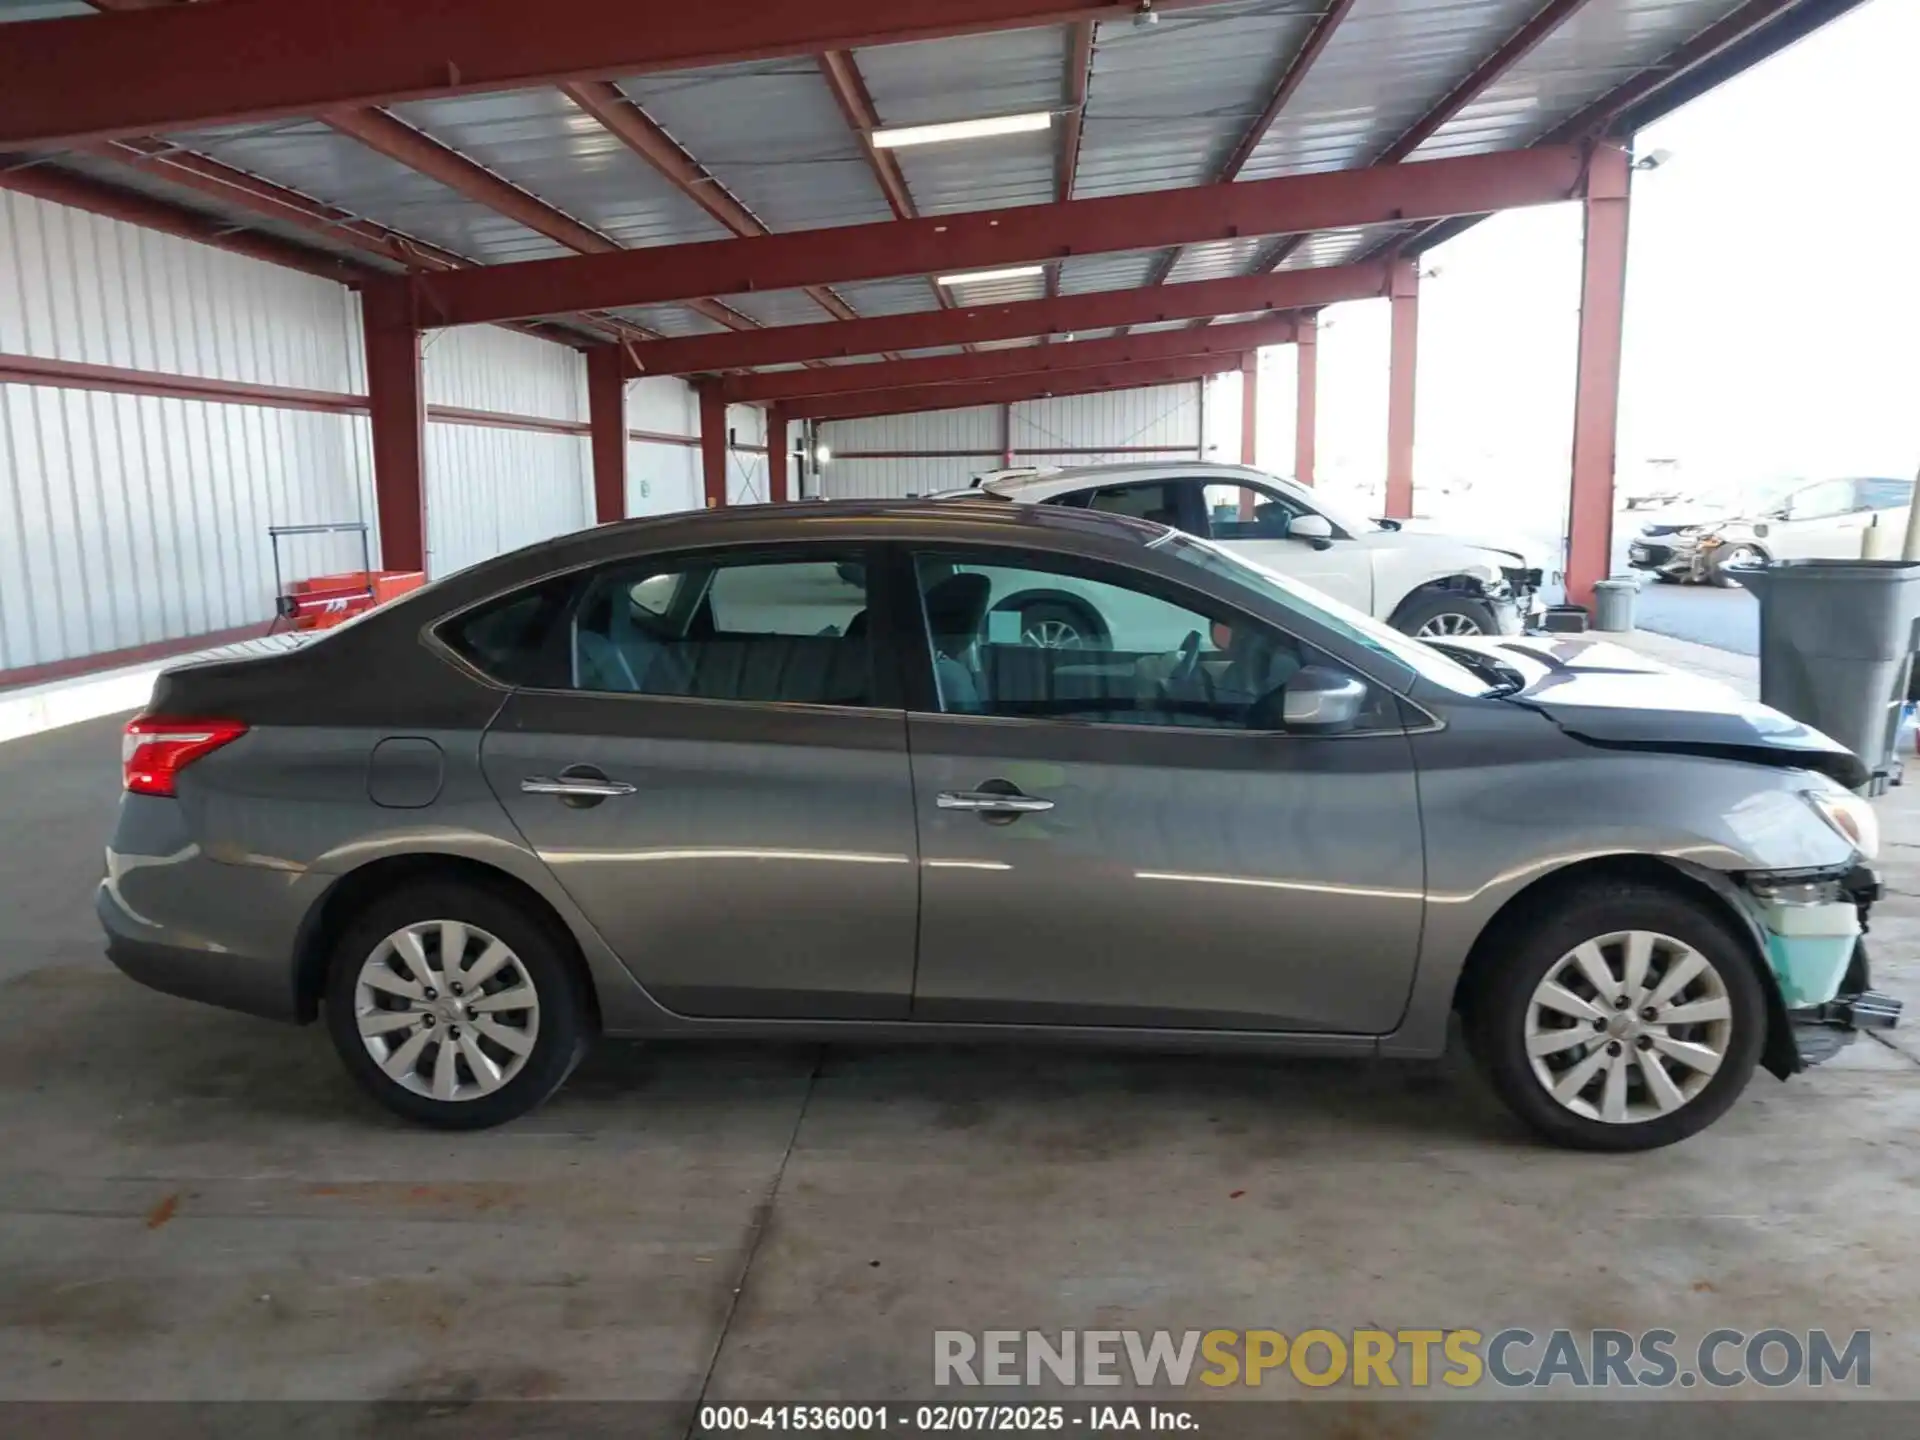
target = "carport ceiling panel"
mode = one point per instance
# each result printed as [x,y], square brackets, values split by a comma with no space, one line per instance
[141,182]
[1218,259]
[771,133]
[1600,46]
[1168,102]
[548,146]
[1011,72]
[909,296]
[309,157]
[1086,274]
[11,10]
[778,307]
[1338,247]
[671,321]
[1387,65]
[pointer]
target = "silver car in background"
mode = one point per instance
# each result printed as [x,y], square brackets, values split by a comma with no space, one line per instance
[795,772]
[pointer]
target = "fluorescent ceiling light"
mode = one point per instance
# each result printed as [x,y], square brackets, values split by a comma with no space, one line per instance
[895,136]
[982,277]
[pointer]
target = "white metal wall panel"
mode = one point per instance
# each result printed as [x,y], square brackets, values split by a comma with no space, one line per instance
[128,520]
[482,367]
[662,478]
[75,286]
[912,454]
[1084,426]
[665,404]
[490,490]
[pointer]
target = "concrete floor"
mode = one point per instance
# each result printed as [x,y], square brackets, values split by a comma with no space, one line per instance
[196,1205]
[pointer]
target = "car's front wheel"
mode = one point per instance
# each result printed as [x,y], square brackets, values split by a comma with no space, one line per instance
[1626,1017]
[452,1007]
[1441,613]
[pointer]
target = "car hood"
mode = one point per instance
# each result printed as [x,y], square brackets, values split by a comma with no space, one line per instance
[1609,695]
[1430,542]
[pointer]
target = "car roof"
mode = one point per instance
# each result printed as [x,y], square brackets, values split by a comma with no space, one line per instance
[1034,489]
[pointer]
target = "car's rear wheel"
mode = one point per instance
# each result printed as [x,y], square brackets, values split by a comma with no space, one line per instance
[1438,614]
[454,1008]
[1625,1018]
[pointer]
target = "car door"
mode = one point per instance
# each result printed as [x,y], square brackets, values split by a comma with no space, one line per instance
[1822,522]
[1119,835]
[1254,520]
[706,755]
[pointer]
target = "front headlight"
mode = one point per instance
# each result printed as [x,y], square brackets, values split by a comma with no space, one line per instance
[1850,816]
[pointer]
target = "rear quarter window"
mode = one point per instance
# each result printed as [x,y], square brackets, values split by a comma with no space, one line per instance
[518,639]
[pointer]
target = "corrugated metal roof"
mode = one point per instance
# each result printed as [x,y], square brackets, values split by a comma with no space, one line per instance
[1218,259]
[889,297]
[1388,64]
[771,133]
[1168,102]
[1601,46]
[1337,247]
[777,307]
[671,320]
[998,292]
[546,145]
[318,161]
[1126,270]
[1012,72]
[42,9]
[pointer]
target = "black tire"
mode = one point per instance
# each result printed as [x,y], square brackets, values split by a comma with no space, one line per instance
[1430,605]
[561,1038]
[1533,944]
[1039,617]
[1718,566]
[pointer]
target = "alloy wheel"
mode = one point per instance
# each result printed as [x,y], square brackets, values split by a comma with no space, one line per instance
[1053,634]
[1628,1027]
[446,1010]
[1450,622]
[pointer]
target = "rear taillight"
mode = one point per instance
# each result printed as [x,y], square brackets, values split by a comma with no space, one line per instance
[154,749]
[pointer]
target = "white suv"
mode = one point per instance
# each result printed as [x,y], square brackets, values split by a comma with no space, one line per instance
[1423,584]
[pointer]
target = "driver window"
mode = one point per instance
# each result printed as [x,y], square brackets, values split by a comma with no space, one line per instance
[1036,642]
[1158,501]
[1246,512]
[1817,502]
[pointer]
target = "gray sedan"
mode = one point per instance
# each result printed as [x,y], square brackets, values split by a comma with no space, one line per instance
[795,772]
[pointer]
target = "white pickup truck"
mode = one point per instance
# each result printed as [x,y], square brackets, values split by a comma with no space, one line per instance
[1421,583]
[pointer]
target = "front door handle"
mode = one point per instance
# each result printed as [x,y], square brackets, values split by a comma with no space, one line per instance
[987,802]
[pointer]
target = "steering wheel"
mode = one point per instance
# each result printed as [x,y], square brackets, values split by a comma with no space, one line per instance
[1189,660]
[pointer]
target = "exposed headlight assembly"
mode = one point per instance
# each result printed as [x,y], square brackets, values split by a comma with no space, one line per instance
[1851,817]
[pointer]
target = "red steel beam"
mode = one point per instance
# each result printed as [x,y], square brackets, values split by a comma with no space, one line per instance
[917,398]
[1077,77]
[96,78]
[1403,374]
[1036,360]
[1466,185]
[607,432]
[713,445]
[396,403]
[631,125]
[777,455]
[1596,410]
[1306,401]
[1017,320]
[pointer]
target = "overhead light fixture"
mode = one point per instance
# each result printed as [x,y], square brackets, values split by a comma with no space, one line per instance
[895,137]
[985,277]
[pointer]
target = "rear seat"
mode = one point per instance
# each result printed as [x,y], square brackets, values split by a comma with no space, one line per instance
[811,669]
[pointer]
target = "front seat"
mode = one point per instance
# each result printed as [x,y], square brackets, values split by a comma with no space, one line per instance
[956,609]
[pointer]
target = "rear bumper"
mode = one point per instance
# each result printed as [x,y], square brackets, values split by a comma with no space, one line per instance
[229,981]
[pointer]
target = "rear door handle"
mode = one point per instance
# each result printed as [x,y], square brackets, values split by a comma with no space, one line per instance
[987,802]
[571,788]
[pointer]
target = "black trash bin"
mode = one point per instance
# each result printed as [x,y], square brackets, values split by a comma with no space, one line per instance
[1836,642]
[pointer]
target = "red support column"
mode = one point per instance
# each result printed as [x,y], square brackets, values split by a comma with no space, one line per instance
[1596,406]
[607,424]
[396,407]
[713,444]
[1306,347]
[778,490]
[1401,383]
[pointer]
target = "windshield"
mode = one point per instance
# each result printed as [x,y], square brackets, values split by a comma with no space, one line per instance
[1422,659]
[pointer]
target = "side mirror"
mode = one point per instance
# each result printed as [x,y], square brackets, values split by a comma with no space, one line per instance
[1317,530]
[1320,701]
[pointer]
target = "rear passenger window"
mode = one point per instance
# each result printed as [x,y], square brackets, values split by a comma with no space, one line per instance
[773,632]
